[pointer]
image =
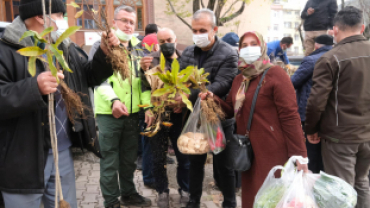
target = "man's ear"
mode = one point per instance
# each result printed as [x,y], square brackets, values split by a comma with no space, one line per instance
[156,47]
[215,29]
[362,28]
[39,19]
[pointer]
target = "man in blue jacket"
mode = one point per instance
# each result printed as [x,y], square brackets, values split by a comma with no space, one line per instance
[277,49]
[302,81]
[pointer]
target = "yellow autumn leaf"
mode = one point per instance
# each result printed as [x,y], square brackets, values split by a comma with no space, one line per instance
[32,66]
[79,14]
[31,51]
[144,106]
[74,4]
[94,11]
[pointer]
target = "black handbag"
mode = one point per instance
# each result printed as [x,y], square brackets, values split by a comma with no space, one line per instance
[240,144]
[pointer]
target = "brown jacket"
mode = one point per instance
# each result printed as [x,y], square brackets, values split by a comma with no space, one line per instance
[339,104]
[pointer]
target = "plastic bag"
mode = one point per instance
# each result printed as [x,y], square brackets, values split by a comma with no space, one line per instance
[215,134]
[193,139]
[273,189]
[300,193]
[333,192]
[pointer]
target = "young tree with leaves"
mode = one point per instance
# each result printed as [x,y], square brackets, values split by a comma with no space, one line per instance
[34,63]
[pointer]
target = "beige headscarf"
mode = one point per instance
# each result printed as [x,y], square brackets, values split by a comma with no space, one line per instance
[251,71]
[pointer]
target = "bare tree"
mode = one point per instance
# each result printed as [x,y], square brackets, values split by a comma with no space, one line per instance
[225,10]
[342,4]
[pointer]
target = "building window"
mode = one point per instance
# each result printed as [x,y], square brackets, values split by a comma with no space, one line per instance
[296,37]
[276,27]
[287,35]
[86,20]
[287,24]
[276,1]
[297,13]
[288,12]
[138,5]
[296,25]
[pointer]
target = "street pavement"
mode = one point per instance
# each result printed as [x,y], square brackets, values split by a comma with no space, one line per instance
[87,172]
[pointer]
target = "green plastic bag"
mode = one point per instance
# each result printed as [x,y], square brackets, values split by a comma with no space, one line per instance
[333,192]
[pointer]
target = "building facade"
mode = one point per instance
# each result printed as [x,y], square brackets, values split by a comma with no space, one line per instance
[285,19]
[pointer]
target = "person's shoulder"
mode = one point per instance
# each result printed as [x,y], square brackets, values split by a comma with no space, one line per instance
[226,49]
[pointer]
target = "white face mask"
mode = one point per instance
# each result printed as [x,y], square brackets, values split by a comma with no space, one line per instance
[250,54]
[201,40]
[62,26]
[123,36]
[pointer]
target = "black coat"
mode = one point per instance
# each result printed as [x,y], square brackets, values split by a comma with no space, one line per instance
[24,129]
[322,18]
[221,63]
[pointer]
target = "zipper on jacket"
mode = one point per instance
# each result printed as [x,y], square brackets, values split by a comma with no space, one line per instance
[336,93]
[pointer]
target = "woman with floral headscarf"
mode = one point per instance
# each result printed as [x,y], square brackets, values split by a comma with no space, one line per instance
[276,132]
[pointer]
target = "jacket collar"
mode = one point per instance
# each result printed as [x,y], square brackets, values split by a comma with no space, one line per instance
[355,38]
[14,32]
[322,49]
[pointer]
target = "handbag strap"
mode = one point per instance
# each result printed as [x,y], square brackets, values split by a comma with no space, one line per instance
[255,100]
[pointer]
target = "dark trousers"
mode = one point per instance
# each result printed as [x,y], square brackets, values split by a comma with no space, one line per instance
[222,168]
[159,145]
[146,154]
[315,163]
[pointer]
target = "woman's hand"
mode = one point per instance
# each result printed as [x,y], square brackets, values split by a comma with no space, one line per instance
[204,96]
[303,167]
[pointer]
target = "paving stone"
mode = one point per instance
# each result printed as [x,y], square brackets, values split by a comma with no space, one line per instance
[89,205]
[94,180]
[81,179]
[80,185]
[147,192]
[89,198]
[238,201]
[92,190]
[79,194]
[85,165]
[175,198]
[94,174]
[210,204]
[96,167]
[84,172]
[173,191]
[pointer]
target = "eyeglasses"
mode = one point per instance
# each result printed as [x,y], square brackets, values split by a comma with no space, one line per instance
[126,21]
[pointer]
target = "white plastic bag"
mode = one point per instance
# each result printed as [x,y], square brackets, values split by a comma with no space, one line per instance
[273,189]
[193,139]
[300,192]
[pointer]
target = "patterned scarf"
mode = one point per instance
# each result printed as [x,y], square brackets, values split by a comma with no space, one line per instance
[251,71]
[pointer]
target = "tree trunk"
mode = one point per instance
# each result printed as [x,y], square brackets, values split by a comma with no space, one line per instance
[342,4]
[196,5]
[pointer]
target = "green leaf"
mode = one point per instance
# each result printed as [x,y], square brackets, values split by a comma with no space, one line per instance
[162,62]
[41,59]
[183,88]
[162,77]
[175,68]
[186,72]
[59,56]
[70,31]
[147,47]
[46,31]
[33,34]
[186,101]
[32,66]
[162,91]
[74,4]
[28,34]
[31,51]
[201,71]
[52,68]
[79,14]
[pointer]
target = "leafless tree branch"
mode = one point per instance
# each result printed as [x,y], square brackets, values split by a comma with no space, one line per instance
[180,18]
[229,9]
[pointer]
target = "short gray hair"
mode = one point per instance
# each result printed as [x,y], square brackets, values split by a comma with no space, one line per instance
[167,29]
[124,8]
[197,15]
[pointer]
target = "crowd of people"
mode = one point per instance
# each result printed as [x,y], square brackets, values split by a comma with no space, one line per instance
[326,101]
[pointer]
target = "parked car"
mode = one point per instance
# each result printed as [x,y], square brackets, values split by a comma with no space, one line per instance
[3,25]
